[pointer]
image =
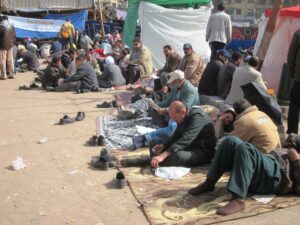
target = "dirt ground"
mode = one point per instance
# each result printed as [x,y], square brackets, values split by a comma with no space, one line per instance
[58,186]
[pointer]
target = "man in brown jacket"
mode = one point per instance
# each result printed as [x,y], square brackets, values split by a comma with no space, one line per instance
[192,65]
[255,127]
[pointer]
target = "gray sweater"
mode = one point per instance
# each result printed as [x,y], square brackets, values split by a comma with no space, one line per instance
[111,76]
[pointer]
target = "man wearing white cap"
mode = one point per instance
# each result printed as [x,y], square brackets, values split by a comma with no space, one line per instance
[112,75]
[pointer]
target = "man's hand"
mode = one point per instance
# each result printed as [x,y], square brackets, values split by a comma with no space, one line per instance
[157,149]
[161,111]
[156,160]
[293,154]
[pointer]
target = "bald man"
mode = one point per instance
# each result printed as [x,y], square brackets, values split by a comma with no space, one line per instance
[193,142]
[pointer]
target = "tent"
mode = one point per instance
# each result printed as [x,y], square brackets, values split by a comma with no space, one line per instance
[287,23]
[161,26]
[132,14]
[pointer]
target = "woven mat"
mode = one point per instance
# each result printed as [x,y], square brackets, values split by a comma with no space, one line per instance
[167,202]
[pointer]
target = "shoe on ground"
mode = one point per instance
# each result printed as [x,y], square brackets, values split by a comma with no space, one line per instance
[80,116]
[93,141]
[33,85]
[50,89]
[235,205]
[3,78]
[101,141]
[100,163]
[11,77]
[24,87]
[66,120]
[120,180]
[106,154]
[105,105]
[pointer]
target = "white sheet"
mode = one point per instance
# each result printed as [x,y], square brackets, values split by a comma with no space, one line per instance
[161,26]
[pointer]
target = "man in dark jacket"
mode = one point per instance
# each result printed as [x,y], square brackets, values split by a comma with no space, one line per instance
[28,60]
[294,72]
[193,142]
[225,75]
[53,73]
[7,41]
[112,75]
[85,77]
[251,171]
[172,63]
[208,82]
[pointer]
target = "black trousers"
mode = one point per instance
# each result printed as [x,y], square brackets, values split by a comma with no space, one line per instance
[294,109]
[133,73]
[214,47]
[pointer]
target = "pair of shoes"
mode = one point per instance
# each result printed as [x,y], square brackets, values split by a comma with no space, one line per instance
[24,87]
[33,85]
[138,141]
[96,141]
[105,105]
[67,120]
[104,161]
[120,180]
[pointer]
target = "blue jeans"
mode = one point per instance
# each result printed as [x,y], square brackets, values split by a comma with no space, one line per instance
[161,134]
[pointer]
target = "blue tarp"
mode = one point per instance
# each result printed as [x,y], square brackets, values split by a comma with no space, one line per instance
[78,19]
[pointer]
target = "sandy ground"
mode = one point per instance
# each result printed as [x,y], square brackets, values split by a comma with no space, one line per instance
[45,192]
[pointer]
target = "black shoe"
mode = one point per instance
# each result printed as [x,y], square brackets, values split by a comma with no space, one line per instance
[100,163]
[114,103]
[101,141]
[106,154]
[33,85]
[120,180]
[24,87]
[66,120]
[80,116]
[93,141]
[105,105]
[37,79]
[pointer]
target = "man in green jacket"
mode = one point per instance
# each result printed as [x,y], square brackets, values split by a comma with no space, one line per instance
[193,142]
[294,71]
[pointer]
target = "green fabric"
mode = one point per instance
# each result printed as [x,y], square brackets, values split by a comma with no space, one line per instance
[132,14]
[251,170]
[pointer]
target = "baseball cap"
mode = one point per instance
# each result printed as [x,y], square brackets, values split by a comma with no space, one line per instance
[224,53]
[177,74]
[187,45]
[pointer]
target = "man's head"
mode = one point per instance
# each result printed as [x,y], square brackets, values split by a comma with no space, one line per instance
[177,111]
[254,62]
[221,7]
[240,106]
[237,58]
[228,117]
[176,79]
[56,60]
[223,55]
[125,52]
[88,56]
[167,50]
[187,49]
[118,44]
[72,53]
[109,60]
[137,44]
[78,61]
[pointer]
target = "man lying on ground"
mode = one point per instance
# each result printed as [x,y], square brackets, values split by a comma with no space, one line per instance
[251,172]
[192,144]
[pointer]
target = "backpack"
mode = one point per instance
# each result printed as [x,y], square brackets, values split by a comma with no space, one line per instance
[64,32]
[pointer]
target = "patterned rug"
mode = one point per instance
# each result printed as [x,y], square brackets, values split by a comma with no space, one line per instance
[167,202]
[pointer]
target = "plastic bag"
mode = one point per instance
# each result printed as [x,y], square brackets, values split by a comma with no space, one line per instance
[18,164]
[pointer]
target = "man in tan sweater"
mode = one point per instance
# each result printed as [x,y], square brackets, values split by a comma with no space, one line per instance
[255,127]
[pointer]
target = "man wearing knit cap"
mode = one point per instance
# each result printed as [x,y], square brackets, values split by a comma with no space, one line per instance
[112,75]
[192,65]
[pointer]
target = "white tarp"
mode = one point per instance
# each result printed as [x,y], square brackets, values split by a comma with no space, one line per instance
[161,26]
[278,49]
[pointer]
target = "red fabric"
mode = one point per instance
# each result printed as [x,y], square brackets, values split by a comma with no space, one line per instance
[99,51]
[293,11]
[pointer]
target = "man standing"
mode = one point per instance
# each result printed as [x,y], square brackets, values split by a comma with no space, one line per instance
[172,63]
[192,65]
[294,71]
[140,62]
[7,41]
[67,34]
[218,30]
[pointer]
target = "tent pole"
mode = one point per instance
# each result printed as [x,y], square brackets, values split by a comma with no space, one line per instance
[264,45]
[101,18]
